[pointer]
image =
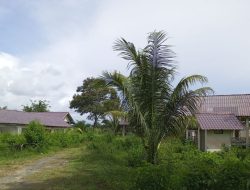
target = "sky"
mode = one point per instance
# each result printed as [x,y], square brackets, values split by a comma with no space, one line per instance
[48,47]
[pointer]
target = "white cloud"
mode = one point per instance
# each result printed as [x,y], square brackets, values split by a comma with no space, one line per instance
[209,37]
[20,84]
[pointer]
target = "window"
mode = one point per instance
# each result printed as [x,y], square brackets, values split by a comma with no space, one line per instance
[218,131]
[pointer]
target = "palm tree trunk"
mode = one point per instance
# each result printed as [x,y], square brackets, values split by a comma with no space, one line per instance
[152,151]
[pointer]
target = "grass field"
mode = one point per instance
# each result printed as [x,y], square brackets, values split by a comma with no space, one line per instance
[104,161]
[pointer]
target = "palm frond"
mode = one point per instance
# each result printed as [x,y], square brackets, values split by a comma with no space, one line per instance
[159,54]
[127,51]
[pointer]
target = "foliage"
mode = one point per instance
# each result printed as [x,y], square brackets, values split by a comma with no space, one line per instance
[3,107]
[157,109]
[82,126]
[35,139]
[35,134]
[37,106]
[106,162]
[61,139]
[95,98]
[114,117]
[152,178]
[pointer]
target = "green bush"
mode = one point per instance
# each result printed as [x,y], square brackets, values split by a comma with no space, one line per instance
[136,157]
[35,134]
[62,139]
[234,174]
[184,167]
[153,177]
[12,142]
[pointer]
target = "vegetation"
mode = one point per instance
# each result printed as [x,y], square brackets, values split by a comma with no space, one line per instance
[35,134]
[37,106]
[94,98]
[36,139]
[156,108]
[107,161]
[3,107]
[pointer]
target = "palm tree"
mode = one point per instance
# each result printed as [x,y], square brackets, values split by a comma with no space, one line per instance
[157,107]
[115,116]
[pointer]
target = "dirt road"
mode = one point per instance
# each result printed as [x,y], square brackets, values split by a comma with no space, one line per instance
[19,176]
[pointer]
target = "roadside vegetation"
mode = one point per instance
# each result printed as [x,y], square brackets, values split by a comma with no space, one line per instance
[108,161]
[35,141]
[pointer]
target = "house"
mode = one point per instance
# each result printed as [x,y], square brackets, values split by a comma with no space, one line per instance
[15,122]
[223,120]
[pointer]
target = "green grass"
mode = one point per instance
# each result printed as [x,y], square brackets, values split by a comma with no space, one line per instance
[98,164]
[108,162]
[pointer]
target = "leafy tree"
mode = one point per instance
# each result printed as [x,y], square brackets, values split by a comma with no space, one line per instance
[3,108]
[37,106]
[35,134]
[95,98]
[157,107]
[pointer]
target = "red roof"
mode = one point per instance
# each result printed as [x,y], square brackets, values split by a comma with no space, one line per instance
[208,121]
[239,104]
[50,119]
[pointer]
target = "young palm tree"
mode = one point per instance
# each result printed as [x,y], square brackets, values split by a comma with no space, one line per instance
[157,107]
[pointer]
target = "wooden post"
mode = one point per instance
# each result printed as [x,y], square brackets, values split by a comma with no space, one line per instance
[247,132]
[19,130]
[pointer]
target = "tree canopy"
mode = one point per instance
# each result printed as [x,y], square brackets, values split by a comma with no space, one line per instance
[94,98]
[157,107]
[37,106]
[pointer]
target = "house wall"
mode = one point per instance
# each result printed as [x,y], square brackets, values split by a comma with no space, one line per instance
[243,133]
[18,129]
[214,142]
[13,129]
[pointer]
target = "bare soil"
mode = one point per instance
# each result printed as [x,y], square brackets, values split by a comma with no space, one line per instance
[18,177]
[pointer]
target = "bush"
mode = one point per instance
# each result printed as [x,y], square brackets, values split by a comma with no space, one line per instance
[14,142]
[234,174]
[61,139]
[153,177]
[136,157]
[35,134]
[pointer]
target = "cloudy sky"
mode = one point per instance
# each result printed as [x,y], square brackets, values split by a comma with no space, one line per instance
[47,47]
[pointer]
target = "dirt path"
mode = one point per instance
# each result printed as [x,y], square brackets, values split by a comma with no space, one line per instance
[59,159]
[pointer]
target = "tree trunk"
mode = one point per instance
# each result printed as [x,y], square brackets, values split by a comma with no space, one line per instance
[95,121]
[152,152]
[123,130]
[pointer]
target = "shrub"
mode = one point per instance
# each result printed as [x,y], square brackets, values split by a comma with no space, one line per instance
[153,177]
[61,139]
[136,157]
[16,142]
[35,134]
[234,174]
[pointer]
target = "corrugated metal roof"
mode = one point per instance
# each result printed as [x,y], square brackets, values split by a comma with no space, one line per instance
[239,105]
[51,119]
[210,121]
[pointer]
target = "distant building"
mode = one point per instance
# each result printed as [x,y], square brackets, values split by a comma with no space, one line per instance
[15,122]
[223,120]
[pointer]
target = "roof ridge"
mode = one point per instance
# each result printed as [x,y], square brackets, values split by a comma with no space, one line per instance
[33,112]
[216,113]
[228,95]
